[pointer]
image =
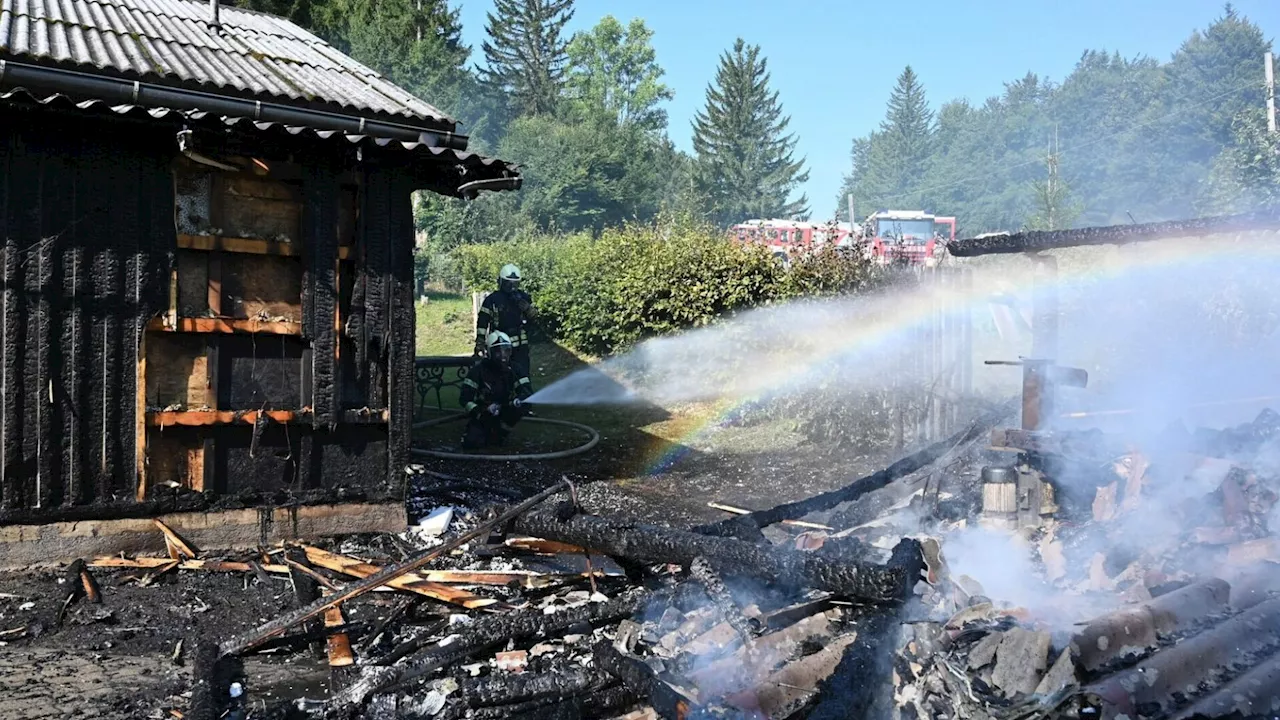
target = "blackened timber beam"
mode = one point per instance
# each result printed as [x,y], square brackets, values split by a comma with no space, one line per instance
[702,572]
[398,343]
[563,680]
[486,632]
[875,481]
[869,582]
[580,707]
[666,701]
[320,250]
[1037,240]
[864,673]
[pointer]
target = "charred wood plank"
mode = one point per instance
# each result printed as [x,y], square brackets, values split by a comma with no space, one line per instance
[411,582]
[491,630]
[863,671]
[868,582]
[700,571]
[875,481]
[576,708]
[375,636]
[563,681]
[666,700]
[282,624]
[1036,240]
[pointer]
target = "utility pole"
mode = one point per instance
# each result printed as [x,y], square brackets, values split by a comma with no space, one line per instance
[1051,197]
[852,220]
[1271,95]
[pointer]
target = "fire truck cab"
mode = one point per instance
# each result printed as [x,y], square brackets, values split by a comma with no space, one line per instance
[908,236]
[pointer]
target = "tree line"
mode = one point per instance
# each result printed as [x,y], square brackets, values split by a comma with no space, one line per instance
[1118,140]
[582,115]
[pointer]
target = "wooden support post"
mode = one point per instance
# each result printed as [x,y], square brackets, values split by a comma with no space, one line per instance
[140,417]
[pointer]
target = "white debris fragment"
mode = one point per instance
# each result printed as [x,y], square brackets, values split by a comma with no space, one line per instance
[431,704]
[26,605]
[435,523]
[541,649]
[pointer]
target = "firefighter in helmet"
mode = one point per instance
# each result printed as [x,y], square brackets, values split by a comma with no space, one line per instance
[507,311]
[493,394]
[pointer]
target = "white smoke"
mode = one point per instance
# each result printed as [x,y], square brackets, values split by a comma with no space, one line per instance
[782,350]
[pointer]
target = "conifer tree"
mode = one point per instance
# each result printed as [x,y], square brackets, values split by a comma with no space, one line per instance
[745,158]
[526,53]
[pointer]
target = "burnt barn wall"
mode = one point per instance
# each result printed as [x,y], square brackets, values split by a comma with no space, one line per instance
[88,263]
[86,250]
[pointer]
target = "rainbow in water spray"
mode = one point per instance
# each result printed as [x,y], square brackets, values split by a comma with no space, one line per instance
[900,318]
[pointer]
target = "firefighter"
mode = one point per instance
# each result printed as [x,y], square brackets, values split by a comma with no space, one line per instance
[508,311]
[493,394]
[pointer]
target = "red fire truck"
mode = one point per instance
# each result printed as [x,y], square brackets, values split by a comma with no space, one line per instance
[788,238]
[907,236]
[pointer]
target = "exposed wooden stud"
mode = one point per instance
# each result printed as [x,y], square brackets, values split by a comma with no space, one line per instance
[176,541]
[337,644]
[199,460]
[309,572]
[742,511]
[202,418]
[173,295]
[88,583]
[210,565]
[199,418]
[140,420]
[251,246]
[409,581]
[226,325]
[543,547]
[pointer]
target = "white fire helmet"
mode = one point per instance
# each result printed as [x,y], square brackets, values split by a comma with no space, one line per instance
[498,345]
[510,275]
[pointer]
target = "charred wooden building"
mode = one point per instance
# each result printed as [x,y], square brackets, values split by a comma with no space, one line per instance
[207,262]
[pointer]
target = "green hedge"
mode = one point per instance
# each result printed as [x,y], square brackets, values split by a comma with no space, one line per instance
[601,295]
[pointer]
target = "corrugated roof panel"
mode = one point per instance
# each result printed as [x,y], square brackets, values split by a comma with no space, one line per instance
[461,158]
[255,53]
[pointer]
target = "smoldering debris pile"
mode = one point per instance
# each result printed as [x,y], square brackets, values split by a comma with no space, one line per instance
[1140,584]
[1156,599]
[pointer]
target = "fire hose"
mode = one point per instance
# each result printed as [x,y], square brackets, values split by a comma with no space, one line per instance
[593,435]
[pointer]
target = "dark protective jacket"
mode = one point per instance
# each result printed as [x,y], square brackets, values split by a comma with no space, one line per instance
[504,311]
[488,382]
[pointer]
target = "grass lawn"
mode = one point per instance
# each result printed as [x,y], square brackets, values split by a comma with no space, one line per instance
[444,325]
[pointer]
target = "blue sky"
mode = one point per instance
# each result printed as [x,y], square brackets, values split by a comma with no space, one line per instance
[834,63]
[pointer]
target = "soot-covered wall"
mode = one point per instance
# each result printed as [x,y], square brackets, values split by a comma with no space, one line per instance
[90,261]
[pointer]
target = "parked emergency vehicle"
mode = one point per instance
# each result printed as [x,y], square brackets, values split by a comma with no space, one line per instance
[907,236]
[788,238]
